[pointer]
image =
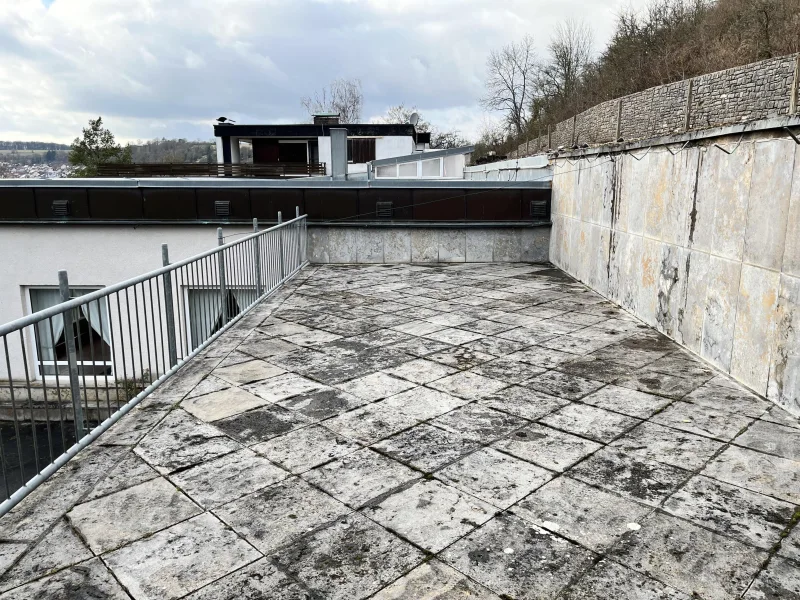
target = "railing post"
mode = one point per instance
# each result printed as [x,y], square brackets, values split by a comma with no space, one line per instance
[223,291]
[280,243]
[299,244]
[169,309]
[257,258]
[72,358]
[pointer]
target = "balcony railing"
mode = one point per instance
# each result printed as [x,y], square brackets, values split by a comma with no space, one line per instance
[275,170]
[70,371]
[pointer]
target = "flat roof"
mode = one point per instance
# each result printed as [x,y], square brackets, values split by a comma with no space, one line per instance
[311,130]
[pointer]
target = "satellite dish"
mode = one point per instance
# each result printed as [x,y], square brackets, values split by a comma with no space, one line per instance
[414,118]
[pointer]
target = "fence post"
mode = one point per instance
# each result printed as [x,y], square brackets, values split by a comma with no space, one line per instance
[257,256]
[72,358]
[688,110]
[299,243]
[169,309]
[619,120]
[280,242]
[795,85]
[223,292]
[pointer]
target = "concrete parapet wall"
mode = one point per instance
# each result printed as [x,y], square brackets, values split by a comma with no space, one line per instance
[530,168]
[328,245]
[703,245]
[768,88]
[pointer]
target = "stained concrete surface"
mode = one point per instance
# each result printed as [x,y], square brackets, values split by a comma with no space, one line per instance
[416,432]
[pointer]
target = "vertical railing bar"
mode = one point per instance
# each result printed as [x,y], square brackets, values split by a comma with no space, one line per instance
[94,375]
[38,344]
[138,333]
[3,462]
[58,387]
[69,336]
[158,334]
[169,308]
[105,367]
[14,409]
[153,323]
[202,298]
[185,280]
[205,290]
[130,340]
[223,292]
[280,245]
[181,323]
[122,345]
[257,257]
[146,332]
[75,324]
[30,399]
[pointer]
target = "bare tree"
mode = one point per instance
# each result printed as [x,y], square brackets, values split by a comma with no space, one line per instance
[342,96]
[510,81]
[440,139]
[570,55]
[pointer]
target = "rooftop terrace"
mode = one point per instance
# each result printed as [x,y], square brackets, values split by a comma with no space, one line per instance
[449,431]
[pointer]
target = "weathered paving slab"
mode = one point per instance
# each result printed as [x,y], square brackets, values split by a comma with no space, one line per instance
[437,432]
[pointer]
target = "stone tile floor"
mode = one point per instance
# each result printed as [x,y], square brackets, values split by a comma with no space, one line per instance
[445,431]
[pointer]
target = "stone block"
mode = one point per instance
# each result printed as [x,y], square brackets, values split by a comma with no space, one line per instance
[397,246]
[318,250]
[729,182]
[755,321]
[424,245]
[791,255]
[342,245]
[722,293]
[479,245]
[784,376]
[369,245]
[452,245]
[768,205]
[691,314]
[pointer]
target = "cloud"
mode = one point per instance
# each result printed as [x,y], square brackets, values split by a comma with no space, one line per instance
[155,68]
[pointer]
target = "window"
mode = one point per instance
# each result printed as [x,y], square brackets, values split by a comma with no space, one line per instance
[360,150]
[90,324]
[205,311]
[386,171]
[407,170]
[431,168]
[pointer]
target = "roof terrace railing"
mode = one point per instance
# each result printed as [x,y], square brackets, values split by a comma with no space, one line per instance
[72,370]
[274,170]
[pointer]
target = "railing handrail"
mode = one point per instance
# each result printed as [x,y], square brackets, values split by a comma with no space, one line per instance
[36,317]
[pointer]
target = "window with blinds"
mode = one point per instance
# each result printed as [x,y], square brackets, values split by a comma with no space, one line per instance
[360,150]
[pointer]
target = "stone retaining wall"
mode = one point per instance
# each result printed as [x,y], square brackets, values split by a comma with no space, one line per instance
[756,91]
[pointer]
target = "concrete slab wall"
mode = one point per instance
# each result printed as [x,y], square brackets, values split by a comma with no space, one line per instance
[703,245]
[427,245]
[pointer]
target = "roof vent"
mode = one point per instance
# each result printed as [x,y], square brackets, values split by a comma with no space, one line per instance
[222,208]
[60,208]
[540,209]
[383,210]
[326,119]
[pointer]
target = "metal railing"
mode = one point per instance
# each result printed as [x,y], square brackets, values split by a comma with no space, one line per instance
[274,170]
[74,369]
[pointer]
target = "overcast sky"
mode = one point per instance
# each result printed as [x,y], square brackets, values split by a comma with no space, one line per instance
[168,68]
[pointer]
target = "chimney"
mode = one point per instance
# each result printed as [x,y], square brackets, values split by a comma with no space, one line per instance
[339,152]
[326,119]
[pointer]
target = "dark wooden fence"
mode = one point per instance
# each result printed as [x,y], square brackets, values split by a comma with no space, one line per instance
[276,170]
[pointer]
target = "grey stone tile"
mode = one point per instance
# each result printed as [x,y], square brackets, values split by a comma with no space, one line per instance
[210,384]
[423,403]
[247,372]
[419,328]
[261,424]
[592,367]
[528,335]
[626,401]
[460,357]
[350,560]
[227,478]
[454,336]
[671,386]
[257,581]
[131,470]
[479,422]
[370,423]
[495,346]
[361,477]
[609,580]
[689,558]
[135,425]
[218,405]
[468,385]
[778,415]
[524,402]
[283,386]
[427,448]
[510,371]
[781,579]
[59,548]
[280,514]
[420,347]
[549,448]
[304,449]
[485,327]
[494,477]
[764,473]
[376,386]
[421,371]
[261,346]
[431,514]
[542,357]
[180,560]
[181,440]
[588,516]
[512,557]
[702,420]
[114,520]
[669,446]
[790,546]
[9,552]
[280,328]
[630,475]
[747,516]
[312,337]
[450,319]
[738,401]
[435,581]
[323,404]
[594,423]
[74,583]
[771,438]
[563,385]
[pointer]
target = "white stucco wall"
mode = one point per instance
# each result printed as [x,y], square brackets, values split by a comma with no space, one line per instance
[325,152]
[531,168]
[390,146]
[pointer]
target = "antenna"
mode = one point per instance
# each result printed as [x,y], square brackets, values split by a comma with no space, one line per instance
[414,118]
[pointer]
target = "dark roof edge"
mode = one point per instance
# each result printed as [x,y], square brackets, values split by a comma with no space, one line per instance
[311,130]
